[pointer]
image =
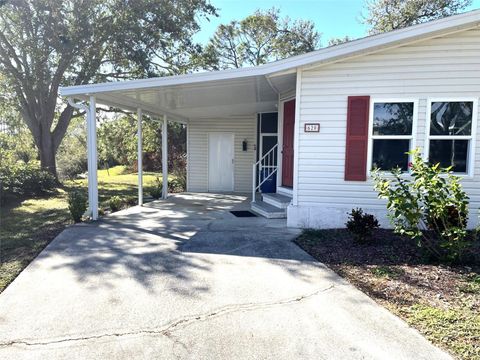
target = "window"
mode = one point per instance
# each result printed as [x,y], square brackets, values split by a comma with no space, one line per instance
[450,134]
[391,134]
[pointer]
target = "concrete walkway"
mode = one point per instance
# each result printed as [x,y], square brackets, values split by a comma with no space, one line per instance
[185,279]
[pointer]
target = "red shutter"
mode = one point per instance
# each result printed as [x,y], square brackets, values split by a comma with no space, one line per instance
[357,138]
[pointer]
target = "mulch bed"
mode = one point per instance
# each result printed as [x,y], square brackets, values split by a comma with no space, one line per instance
[397,274]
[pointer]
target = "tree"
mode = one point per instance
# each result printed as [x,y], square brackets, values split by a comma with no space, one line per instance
[258,39]
[45,44]
[339,40]
[387,15]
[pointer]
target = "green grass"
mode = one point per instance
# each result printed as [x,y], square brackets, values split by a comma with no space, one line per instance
[27,226]
[456,328]
[384,271]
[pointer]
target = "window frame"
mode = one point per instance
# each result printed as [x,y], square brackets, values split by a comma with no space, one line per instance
[471,138]
[371,137]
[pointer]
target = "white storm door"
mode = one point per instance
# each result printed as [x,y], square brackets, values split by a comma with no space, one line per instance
[220,161]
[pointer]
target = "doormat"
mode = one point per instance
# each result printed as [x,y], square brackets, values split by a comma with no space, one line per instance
[243,214]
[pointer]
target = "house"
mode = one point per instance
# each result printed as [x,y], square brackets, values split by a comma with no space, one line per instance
[311,127]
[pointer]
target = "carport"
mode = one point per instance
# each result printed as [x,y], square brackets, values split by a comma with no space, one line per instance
[228,94]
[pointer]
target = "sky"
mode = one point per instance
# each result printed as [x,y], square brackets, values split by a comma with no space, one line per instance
[333,18]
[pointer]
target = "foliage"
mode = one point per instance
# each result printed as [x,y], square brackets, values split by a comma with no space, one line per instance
[77,204]
[155,190]
[117,144]
[45,44]
[179,172]
[361,225]
[115,203]
[431,207]
[387,15]
[258,39]
[24,179]
[339,40]
[72,153]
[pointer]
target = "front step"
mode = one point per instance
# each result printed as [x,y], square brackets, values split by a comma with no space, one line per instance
[268,211]
[277,200]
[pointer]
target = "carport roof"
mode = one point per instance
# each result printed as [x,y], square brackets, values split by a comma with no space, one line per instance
[248,90]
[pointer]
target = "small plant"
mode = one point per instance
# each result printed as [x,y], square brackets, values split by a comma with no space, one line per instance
[155,190]
[77,204]
[430,207]
[361,225]
[387,272]
[115,203]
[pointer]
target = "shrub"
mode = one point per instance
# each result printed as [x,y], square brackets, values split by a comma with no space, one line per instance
[25,179]
[155,190]
[77,204]
[361,225]
[430,207]
[115,203]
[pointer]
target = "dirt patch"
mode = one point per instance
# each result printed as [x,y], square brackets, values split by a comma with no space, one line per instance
[442,302]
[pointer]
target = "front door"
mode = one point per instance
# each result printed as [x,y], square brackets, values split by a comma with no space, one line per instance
[220,162]
[287,150]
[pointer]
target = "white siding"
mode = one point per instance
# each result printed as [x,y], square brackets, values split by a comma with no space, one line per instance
[197,149]
[443,67]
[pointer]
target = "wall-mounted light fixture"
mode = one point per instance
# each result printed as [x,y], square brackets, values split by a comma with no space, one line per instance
[244,145]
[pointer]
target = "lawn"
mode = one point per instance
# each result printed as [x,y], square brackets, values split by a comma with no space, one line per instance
[442,302]
[28,225]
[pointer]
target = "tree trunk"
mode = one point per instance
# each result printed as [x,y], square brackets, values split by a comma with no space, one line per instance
[46,149]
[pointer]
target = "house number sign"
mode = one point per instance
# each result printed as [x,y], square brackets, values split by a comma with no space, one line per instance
[312,127]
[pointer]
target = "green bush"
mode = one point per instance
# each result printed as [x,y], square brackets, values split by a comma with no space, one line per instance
[25,179]
[361,225]
[77,204]
[155,190]
[430,207]
[115,203]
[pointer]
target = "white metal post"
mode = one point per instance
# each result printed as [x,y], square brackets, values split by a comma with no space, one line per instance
[140,156]
[92,159]
[164,157]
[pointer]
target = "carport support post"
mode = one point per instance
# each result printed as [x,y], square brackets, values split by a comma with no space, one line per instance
[140,157]
[164,157]
[92,159]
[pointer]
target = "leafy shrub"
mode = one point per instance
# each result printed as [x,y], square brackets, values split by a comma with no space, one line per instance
[176,185]
[77,204]
[25,179]
[155,190]
[430,207]
[361,225]
[115,203]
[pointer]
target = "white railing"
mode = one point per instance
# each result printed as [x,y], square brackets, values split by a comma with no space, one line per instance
[268,163]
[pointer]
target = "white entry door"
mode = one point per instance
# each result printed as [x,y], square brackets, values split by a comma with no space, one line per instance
[220,161]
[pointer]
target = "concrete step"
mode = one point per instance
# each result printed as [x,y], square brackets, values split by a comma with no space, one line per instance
[277,200]
[268,211]
[285,191]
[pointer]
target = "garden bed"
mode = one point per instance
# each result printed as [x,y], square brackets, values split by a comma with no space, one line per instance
[442,302]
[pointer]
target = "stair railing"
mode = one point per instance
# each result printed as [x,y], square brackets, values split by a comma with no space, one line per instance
[268,164]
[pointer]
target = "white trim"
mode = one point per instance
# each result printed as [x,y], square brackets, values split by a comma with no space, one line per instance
[333,53]
[281,103]
[140,156]
[371,137]
[165,157]
[296,136]
[188,157]
[93,159]
[472,138]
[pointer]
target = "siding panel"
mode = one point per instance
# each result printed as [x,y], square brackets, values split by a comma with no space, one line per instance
[447,66]
[197,147]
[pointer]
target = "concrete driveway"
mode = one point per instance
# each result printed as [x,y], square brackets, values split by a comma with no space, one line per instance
[185,279]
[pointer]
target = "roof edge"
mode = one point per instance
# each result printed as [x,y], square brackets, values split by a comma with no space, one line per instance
[458,22]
